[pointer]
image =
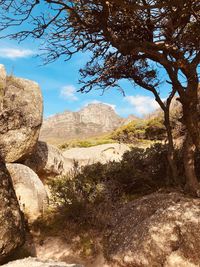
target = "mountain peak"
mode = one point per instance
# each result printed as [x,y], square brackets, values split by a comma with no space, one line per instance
[91,120]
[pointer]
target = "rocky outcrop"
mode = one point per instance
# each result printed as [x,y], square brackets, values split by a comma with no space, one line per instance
[92,120]
[33,262]
[11,221]
[156,230]
[20,116]
[101,153]
[47,161]
[29,189]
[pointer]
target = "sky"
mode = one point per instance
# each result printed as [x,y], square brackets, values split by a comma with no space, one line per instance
[59,82]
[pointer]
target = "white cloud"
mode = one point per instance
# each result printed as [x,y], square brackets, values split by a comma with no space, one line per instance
[15,53]
[142,105]
[99,102]
[68,93]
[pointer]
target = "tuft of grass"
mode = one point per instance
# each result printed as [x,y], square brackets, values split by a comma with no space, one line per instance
[1,90]
[12,80]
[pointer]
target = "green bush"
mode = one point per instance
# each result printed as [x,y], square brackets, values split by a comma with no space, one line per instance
[150,129]
[155,129]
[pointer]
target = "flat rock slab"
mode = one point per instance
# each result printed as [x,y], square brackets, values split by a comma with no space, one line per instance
[101,153]
[34,262]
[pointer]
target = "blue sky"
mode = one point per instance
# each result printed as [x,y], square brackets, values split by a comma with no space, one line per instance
[59,82]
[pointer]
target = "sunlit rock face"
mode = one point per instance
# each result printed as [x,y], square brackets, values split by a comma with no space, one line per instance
[11,219]
[92,120]
[21,109]
[156,230]
[30,191]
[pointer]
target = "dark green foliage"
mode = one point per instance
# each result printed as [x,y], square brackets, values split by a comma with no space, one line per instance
[155,129]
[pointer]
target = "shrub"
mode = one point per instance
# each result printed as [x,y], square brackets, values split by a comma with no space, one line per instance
[90,193]
[150,129]
[155,129]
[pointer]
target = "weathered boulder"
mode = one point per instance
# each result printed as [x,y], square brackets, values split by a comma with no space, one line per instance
[48,161]
[20,116]
[101,153]
[11,219]
[156,230]
[29,189]
[34,262]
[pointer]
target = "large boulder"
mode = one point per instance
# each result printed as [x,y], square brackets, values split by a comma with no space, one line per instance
[157,230]
[29,189]
[11,219]
[101,153]
[47,161]
[33,262]
[20,116]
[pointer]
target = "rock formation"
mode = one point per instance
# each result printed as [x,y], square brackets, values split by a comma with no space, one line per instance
[156,230]
[92,120]
[33,262]
[11,219]
[101,153]
[29,189]
[47,161]
[20,116]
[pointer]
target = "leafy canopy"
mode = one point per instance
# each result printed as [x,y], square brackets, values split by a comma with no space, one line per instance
[125,37]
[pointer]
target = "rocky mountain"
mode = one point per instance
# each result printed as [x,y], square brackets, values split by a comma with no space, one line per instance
[92,120]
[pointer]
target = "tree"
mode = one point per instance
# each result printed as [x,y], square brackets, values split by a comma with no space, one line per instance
[137,35]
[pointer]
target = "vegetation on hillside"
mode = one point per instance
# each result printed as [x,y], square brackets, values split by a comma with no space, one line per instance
[89,142]
[144,129]
[138,132]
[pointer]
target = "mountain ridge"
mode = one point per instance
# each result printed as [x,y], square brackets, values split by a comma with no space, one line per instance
[91,120]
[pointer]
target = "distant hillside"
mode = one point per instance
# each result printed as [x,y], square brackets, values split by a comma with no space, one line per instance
[92,120]
[151,127]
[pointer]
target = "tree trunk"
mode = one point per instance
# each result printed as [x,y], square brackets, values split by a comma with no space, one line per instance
[192,184]
[171,150]
[191,114]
